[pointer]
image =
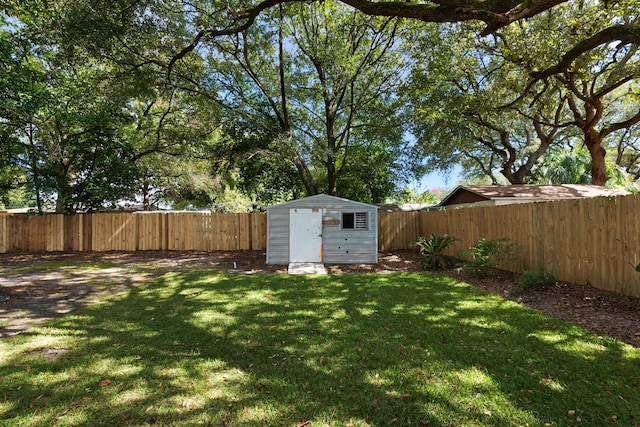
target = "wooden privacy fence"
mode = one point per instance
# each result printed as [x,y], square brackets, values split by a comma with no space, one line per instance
[126,231]
[202,231]
[592,240]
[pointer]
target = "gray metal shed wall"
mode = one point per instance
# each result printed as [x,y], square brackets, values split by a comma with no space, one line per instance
[338,246]
[350,246]
[277,236]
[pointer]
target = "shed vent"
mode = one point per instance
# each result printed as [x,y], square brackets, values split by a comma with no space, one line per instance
[355,221]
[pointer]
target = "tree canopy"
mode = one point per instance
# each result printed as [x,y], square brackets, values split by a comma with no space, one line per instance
[182,103]
[498,112]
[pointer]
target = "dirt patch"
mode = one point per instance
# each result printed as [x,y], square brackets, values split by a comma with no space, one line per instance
[38,287]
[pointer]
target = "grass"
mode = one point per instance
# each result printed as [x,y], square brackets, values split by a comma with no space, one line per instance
[65,265]
[351,350]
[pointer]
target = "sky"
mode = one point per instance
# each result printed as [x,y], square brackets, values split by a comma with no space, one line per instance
[438,180]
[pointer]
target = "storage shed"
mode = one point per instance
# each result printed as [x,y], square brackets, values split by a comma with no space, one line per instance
[322,228]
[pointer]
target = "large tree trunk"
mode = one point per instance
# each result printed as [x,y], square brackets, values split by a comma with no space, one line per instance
[332,176]
[63,197]
[330,161]
[593,142]
[63,188]
[37,179]
[587,121]
[309,183]
[146,203]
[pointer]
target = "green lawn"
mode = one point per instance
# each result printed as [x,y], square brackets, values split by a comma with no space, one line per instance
[351,350]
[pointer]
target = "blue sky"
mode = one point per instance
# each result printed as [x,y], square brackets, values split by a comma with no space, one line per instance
[439,180]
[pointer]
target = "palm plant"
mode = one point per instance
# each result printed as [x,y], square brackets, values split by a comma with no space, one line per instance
[432,251]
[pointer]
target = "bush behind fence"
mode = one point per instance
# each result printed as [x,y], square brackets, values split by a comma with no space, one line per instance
[594,240]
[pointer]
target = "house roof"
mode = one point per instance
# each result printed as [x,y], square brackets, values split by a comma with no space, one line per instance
[404,207]
[531,192]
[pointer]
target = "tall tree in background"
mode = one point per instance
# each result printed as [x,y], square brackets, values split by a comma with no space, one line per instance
[172,135]
[348,107]
[65,126]
[339,97]
[251,70]
[106,72]
[457,97]
[175,119]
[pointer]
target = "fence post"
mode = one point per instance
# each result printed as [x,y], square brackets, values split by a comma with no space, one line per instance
[3,232]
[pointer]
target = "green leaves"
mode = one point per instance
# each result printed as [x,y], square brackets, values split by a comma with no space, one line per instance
[315,86]
[487,255]
[432,251]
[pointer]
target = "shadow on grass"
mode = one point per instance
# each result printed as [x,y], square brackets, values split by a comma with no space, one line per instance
[399,349]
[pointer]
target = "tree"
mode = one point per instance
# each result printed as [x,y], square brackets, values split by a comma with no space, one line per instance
[63,127]
[75,148]
[627,150]
[588,96]
[254,162]
[348,111]
[587,102]
[249,68]
[326,109]
[162,128]
[457,97]
[596,77]
[172,135]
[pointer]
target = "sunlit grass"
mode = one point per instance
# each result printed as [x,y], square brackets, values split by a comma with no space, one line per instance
[351,350]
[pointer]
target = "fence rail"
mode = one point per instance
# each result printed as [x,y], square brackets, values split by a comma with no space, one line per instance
[594,240]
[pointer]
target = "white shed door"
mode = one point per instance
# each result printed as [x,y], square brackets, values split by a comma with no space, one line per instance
[305,235]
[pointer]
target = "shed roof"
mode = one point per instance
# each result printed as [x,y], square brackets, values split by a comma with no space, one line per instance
[532,192]
[322,199]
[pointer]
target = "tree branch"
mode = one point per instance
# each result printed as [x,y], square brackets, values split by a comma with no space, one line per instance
[496,14]
[242,20]
[626,34]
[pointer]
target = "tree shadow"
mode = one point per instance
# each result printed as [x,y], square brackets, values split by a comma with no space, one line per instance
[377,350]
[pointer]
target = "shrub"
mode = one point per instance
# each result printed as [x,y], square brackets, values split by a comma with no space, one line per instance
[536,278]
[432,256]
[638,268]
[487,255]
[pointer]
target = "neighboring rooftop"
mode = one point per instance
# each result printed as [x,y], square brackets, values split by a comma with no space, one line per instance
[405,207]
[521,193]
